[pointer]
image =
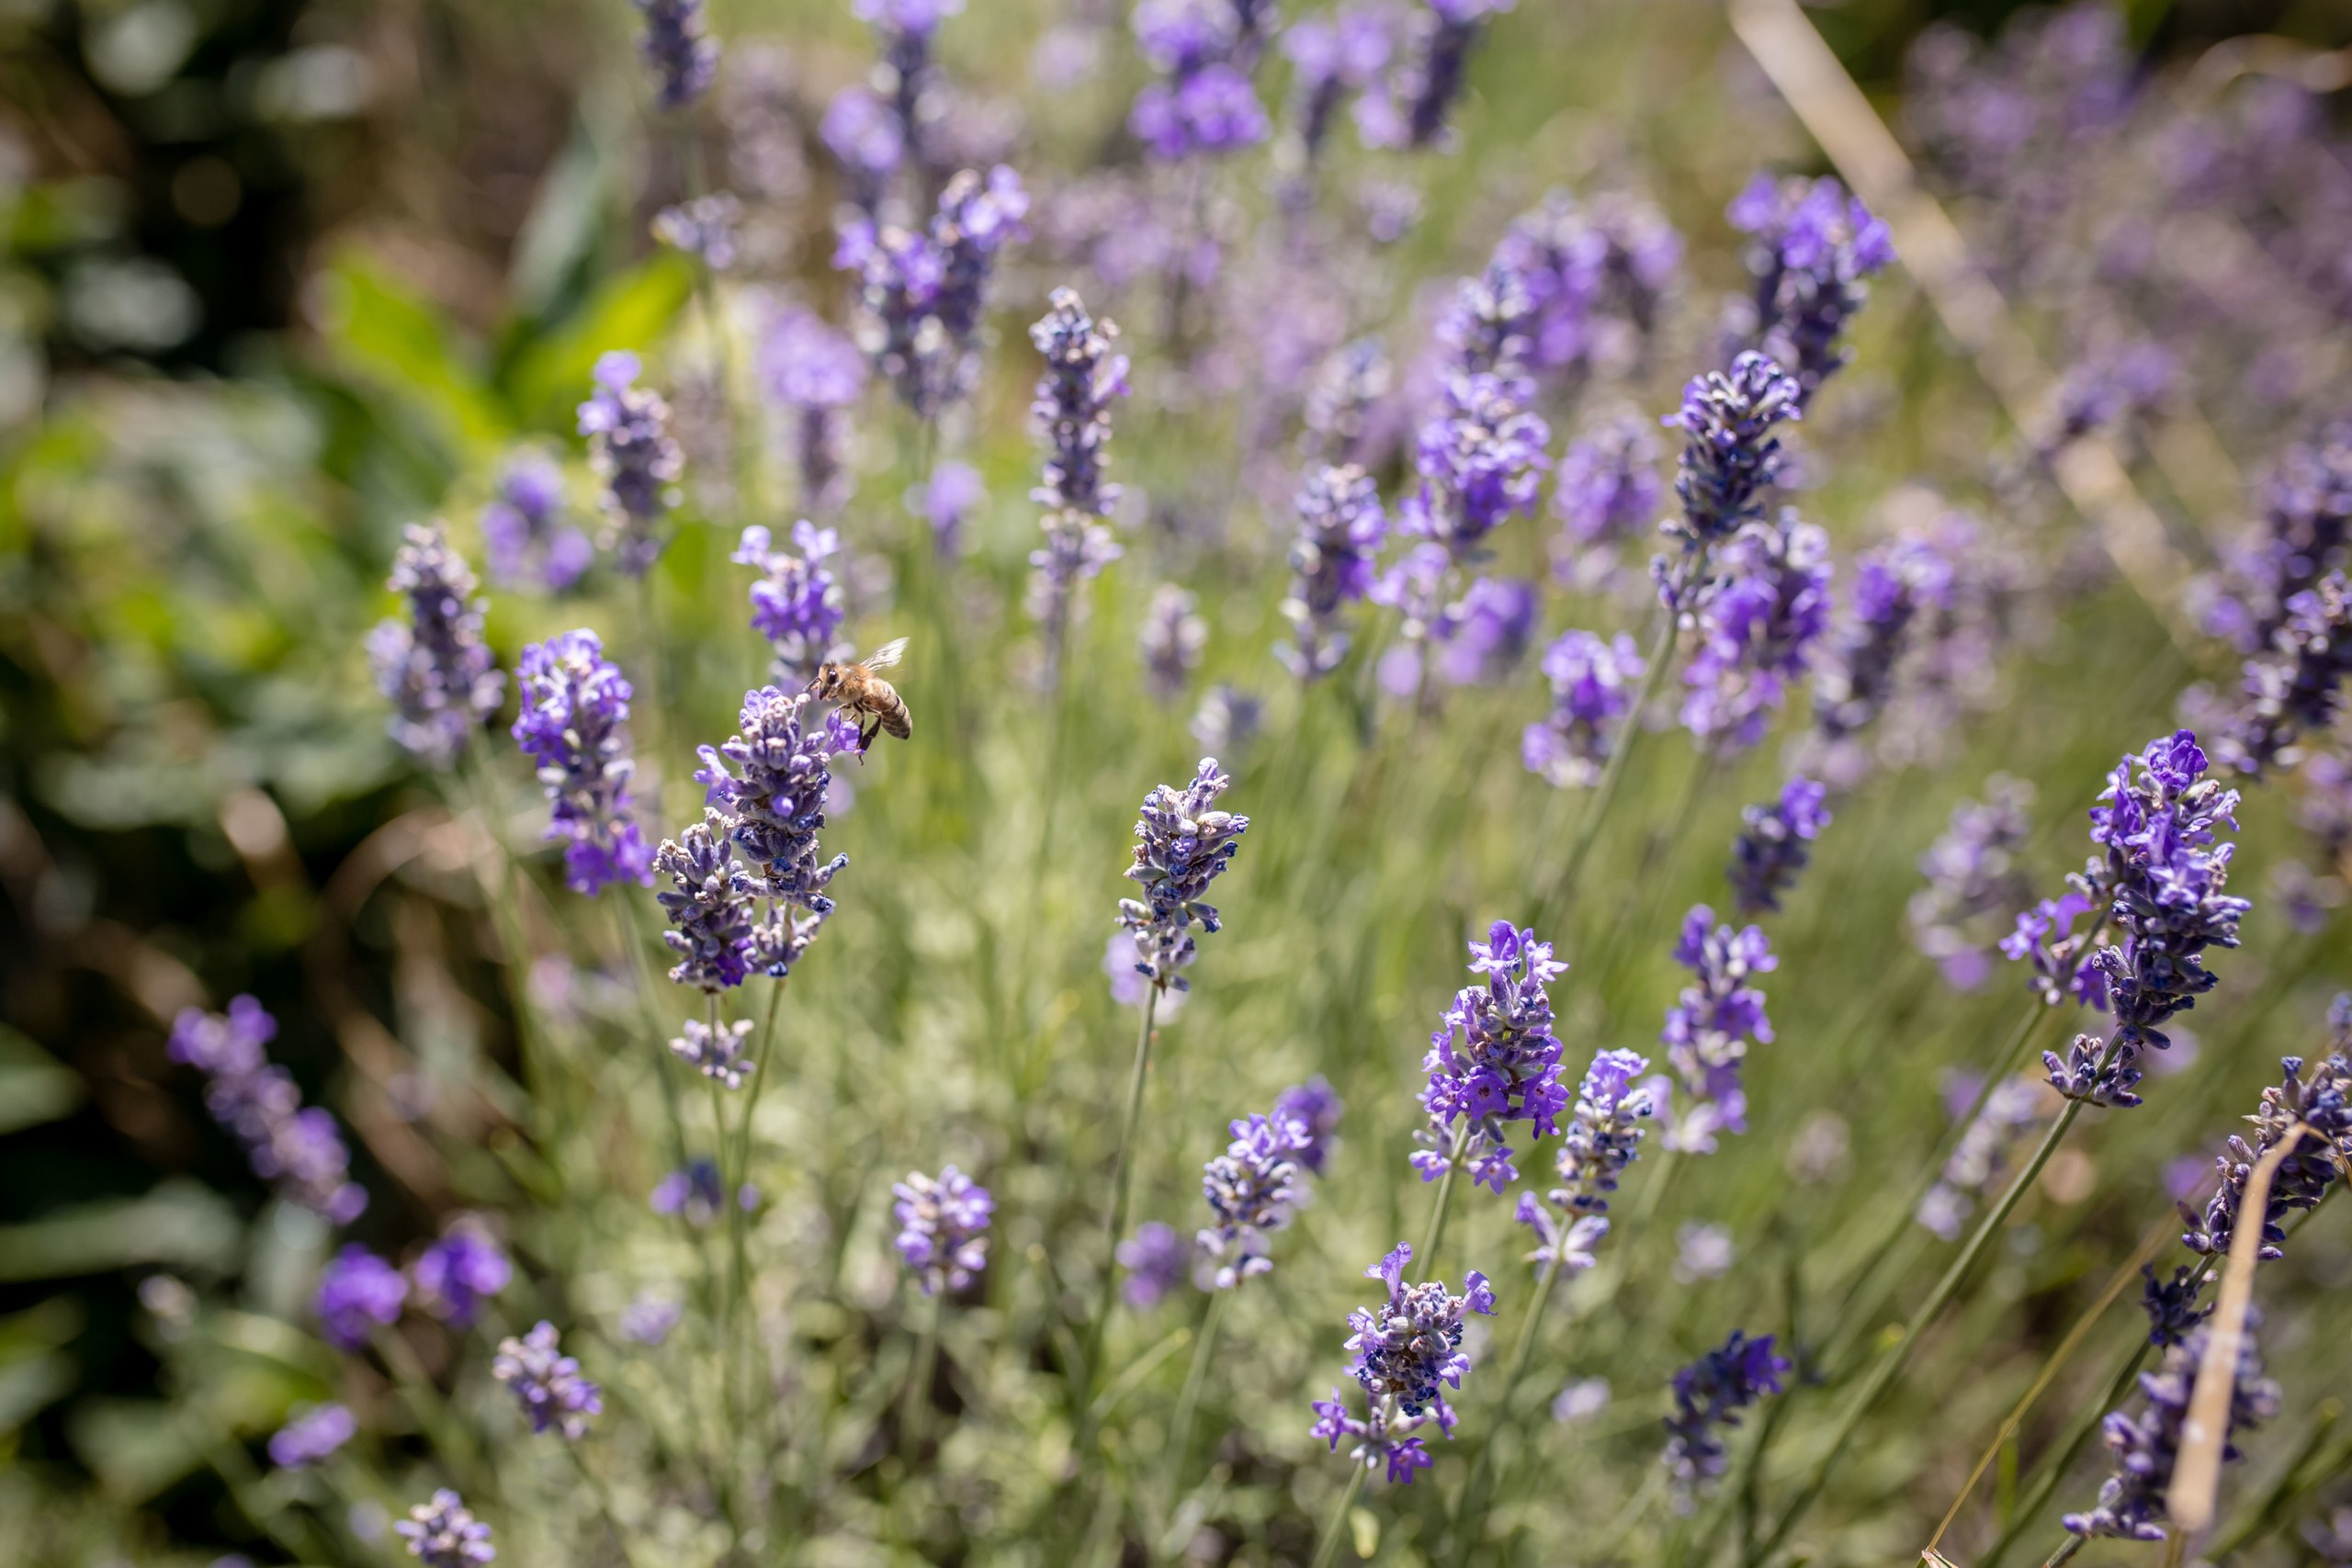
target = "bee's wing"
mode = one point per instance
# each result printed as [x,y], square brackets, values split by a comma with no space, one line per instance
[889,653]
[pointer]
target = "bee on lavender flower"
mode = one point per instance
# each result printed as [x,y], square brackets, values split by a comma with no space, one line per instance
[854,688]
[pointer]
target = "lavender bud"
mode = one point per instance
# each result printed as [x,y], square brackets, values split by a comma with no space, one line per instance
[1708,1394]
[2011,1108]
[1155,1259]
[1072,409]
[1481,462]
[1506,1067]
[630,448]
[1252,1188]
[1340,402]
[796,604]
[711,906]
[943,1224]
[358,1289]
[1171,641]
[1767,859]
[311,1436]
[2294,687]
[1607,490]
[297,1150]
[1333,563]
[1330,58]
[456,1273]
[442,1534]
[718,1053]
[1183,843]
[1228,720]
[1891,584]
[1206,104]
[434,667]
[575,728]
[547,1384]
[1729,458]
[1708,1030]
[1315,1109]
[815,375]
[1972,877]
[2132,1502]
[676,45]
[1409,108]
[1814,248]
[1592,689]
[1403,1350]
[1760,627]
[522,531]
[922,294]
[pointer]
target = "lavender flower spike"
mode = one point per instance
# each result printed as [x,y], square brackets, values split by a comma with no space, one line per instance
[1404,1349]
[1815,247]
[1761,625]
[547,1384]
[1708,1030]
[311,1436]
[297,1150]
[1506,1066]
[1481,462]
[922,293]
[1768,856]
[2294,688]
[796,604]
[1592,688]
[2322,1104]
[1316,1110]
[575,728]
[630,448]
[1973,879]
[456,1273]
[1171,641]
[520,527]
[1729,458]
[1333,563]
[443,1534]
[440,677]
[2132,1502]
[1603,1136]
[717,1053]
[1707,1395]
[1072,411]
[814,375]
[943,1225]
[1409,110]
[1203,48]
[710,908]
[1253,1190]
[1183,843]
[358,1289]
[773,803]
[1154,1258]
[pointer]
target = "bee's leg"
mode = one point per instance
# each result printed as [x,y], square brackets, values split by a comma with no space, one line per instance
[865,735]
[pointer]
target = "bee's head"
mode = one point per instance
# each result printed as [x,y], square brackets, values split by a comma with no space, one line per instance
[828,681]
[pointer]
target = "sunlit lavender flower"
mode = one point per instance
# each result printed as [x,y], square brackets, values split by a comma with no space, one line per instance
[1252,1188]
[1481,462]
[922,292]
[2322,1104]
[296,1149]
[2305,534]
[710,906]
[796,604]
[2110,388]
[1333,563]
[311,1435]
[814,375]
[631,449]
[1506,1067]
[867,141]
[1592,687]
[1708,1030]
[1171,641]
[2132,1502]
[692,1193]
[1974,880]
[677,45]
[943,1224]
[575,728]
[1855,679]
[1772,850]
[1487,328]
[434,667]
[1340,401]
[1404,1349]
[1331,57]
[1408,109]
[1072,411]
[1603,1136]
[1729,458]
[1184,843]
[950,498]
[1481,637]
[1708,1394]
[358,1289]
[1315,1108]
[443,1534]
[455,1274]
[718,1053]
[773,807]
[648,1319]
[1228,720]
[1703,1250]
[2010,1108]
[704,226]
[547,1384]
[1155,1259]
[902,31]
[1203,49]
[1560,1242]
[1815,247]
[521,528]
[1581,1400]
[1759,628]
[1607,488]
[2295,686]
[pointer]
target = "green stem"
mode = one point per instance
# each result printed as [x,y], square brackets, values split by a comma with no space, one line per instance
[1327,1549]
[2058,1558]
[1661,655]
[1427,1256]
[1180,1427]
[1469,1524]
[915,1410]
[603,1502]
[1123,1176]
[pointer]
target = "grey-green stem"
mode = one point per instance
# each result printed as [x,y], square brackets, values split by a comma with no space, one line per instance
[1469,1524]
[1180,1426]
[1426,1257]
[1121,1179]
[1327,1549]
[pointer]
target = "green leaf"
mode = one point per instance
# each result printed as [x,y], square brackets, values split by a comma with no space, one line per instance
[396,339]
[631,310]
[179,1224]
[33,1087]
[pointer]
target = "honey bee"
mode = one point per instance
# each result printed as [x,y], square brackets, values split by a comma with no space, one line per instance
[855,689]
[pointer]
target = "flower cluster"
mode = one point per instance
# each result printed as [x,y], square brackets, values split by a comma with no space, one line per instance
[459,1272]
[676,44]
[868,142]
[1729,458]
[631,449]
[1482,636]
[1774,847]
[357,1290]
[1488,328]
[704,226]
[1481,461]
[2132,1502]
[1607,488]
[1408,107]
[522,531]
[1341,530]
[773,806]
[1506,1064]
[1204,50]
[1316,1109]
[1252,1188]
[716,1052]
[710,908]
[311,1436]
[2322,1105]
[1596,277]
[547,1384]
[1072,411]
[813,375]
[1891,585]
[1759,628]
[922,291]
[1331,57]
[1592,688]
[1341,398]
[2008,1110]
[1972,878]
[1708,1030]
[434,667]
[2294,687]
[443,1534]
[1708,1394]
[903,29]
[1404,1349]
[1155,1259]
[1183,843]
[2305,534]
[1171,641]
[295,1148]
[943,1225]
[1814,248]
[693,1192]
[795,604]
[1603,1136]
[575,728]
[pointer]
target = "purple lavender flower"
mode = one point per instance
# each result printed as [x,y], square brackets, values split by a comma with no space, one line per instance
[1592,688]
[1341,400]
[547,1384]
[1481,462]
[1729,458]
[677,46]
[2322,1104]
[2164,876]
[630,448]
[943,1224]
[1506,1065]
[868,142]
[1171,641]
[2110,387]
[1403,1350]
[692,1193]
[443,1534]
[774,806]
[902,30]
[2045,937]
[710,908]
[1331,57]
[948,501]
[719,1053]
[2132,1502]
[2172,1304]
[575,728]
[924,292]
[2305,534]
[441,679]
[521,528]
[456,1274]
[1707,1395]
[1072,411]
[1155,1259]
[796,604]
[1972,878]
[1333,563]
[1408,109]
[1488,328]
[1603,1136]
[311,1435]
[297,1150]
[814,375]
[1607,490]
[358,1289]
[2294,687]
[1481,638]
[1815,247]
[1891,584]
[1708,1030]
[1203,49]
[1767,858]
[1760,626]
[704,226]
[648,1319]
[1229,719]
[1252,1188]
[2010,1109]
[1314,1108]
[1183,843]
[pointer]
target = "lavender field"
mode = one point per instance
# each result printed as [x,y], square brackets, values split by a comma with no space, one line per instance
[1049,782]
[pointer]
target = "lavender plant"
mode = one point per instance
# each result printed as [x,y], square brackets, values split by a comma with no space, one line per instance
[434,667]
